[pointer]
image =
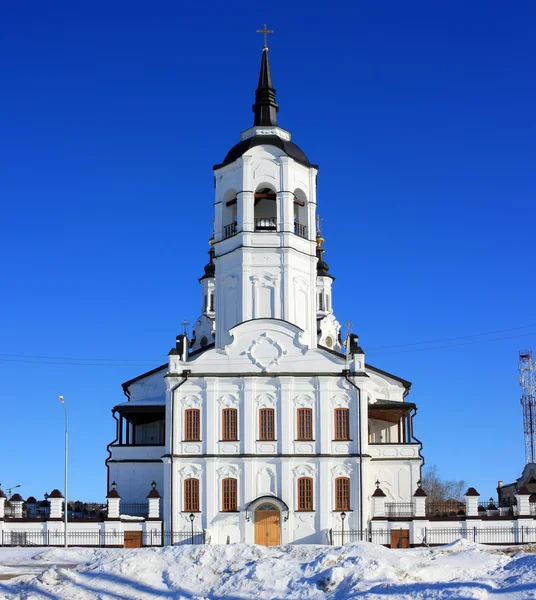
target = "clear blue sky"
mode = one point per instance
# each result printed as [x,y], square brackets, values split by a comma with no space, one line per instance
[421,117]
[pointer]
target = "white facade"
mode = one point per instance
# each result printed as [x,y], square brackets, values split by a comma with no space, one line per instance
[267,345]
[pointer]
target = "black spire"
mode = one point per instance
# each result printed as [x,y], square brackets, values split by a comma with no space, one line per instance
[265,108]
[322,267]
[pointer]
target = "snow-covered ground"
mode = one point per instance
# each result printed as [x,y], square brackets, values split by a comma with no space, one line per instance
[461,570]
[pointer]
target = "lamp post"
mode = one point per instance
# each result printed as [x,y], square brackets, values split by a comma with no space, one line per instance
[62,400]
[343,516]
[191,516]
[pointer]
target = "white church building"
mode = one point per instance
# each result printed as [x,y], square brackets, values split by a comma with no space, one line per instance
[266,426]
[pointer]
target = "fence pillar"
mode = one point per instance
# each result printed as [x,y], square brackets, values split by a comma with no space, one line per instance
[419,502]
[16,503]
[153,498]
[523,503]
[56,500]
[378,499]
[471,502]
[113,499]
[2,504]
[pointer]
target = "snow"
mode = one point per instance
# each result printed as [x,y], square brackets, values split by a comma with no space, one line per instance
[462,570]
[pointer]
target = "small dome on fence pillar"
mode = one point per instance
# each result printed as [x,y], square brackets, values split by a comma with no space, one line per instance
[55,494]
[16,498]
[113,494]
[523,491]
[378,493]
[2,494]
[472,492]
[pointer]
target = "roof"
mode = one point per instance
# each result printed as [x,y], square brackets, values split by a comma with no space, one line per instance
[153,494]
[16,498]
[55,494]
[113,494]
[289,148]
[472,492]
[388,404]
[143,375]
[404,382]
[419,492]
[378,493]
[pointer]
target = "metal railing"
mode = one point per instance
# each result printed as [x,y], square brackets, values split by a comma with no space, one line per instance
[229,230]
[445,508]
[134,509]
[399,509]
[300,230]
[484,535]
[98,538]
[265,223]
[338,537]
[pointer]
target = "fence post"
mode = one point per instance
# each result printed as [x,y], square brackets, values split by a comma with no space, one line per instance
[474,534]
[331,537]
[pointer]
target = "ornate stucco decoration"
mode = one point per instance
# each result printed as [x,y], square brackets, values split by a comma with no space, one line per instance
[340,401]
[342,470]
[265,400]
[265,352]
[303,401]
[228,471]
[228,401]
[191,471]
[305,470]
[191,401]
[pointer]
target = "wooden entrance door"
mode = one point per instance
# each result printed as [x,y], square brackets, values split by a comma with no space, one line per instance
[399,538]
[133,539]
[267,525]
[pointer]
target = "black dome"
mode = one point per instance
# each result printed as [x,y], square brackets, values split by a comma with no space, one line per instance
[289,148]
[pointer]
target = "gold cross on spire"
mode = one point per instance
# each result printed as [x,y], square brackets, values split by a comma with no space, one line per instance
[265,31]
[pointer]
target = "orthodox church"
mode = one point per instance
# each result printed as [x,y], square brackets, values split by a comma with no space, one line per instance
[266,426]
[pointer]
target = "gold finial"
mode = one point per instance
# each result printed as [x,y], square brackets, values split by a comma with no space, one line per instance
[212,241]
[265,31]
[319,240]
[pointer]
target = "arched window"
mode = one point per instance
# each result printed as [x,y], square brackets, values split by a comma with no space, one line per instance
[191,495]
[265,210]
[305,424]
[229,420]
[192,429]
[229,499]
[305,493]
[300,213]
[342,493]
[342,424]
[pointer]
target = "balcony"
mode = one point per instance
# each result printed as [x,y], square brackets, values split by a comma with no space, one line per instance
[265,223]
[300,230]
[229,230]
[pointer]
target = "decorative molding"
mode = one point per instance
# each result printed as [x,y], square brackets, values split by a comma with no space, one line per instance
[340,401]
[304,401]
[305,470]
[229,471]
[228,401]
[265,400]
[342,470]
[191,401]
[265,352]
[191,471]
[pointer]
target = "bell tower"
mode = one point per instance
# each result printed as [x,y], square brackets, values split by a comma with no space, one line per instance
[265,246]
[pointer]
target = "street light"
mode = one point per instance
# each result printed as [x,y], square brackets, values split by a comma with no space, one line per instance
[343,516]
[62,400]
[10,490]
[191,516]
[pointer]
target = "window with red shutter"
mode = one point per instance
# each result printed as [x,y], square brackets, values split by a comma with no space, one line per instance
[266,424]
[342,493]
[229,424]
[342,424]
[191,495]
[229,499]
[305,424]
[192,428]
[305,493]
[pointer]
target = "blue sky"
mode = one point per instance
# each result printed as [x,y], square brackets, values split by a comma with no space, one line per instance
[421,117]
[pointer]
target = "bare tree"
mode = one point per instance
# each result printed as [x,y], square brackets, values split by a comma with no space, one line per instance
[439,489]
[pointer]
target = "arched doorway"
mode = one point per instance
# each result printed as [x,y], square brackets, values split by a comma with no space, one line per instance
[267,524]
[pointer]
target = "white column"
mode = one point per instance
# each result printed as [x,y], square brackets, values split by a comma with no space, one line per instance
[56,500]
[249,416]
[211,417]
[113,505]
[523,504]
[378,503]
[471,502]
[285,420]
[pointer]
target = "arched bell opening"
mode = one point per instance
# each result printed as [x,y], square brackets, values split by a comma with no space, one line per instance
[229,215]
[300,213]
[265,210]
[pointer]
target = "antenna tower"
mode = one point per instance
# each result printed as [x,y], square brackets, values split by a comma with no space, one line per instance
[527,381]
